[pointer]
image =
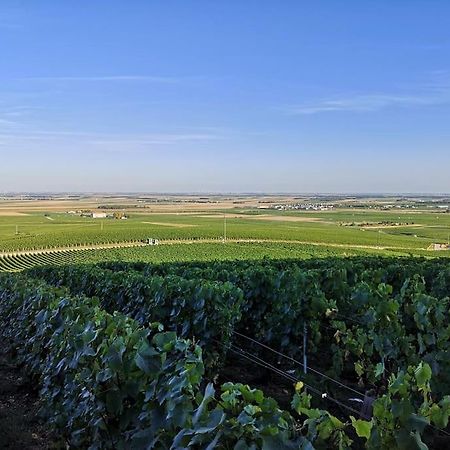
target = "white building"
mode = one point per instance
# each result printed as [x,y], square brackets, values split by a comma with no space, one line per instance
[98,215]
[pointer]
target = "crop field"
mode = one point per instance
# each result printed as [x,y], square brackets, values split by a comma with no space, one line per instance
[188,236]
[242,329]
[408,231]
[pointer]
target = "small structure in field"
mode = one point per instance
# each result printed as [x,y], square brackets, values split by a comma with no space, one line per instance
[99,215]
[439,247]
[120,216]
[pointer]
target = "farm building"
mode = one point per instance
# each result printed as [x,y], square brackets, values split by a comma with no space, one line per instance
[439,247]
[99,215]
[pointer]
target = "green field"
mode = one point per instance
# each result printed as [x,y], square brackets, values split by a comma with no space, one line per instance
[199,236]
[213,328]
[37,231]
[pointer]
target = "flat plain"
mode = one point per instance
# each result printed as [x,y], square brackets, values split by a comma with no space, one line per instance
[251,227]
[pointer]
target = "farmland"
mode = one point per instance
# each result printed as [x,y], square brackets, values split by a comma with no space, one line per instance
[36,231]
[243,328]
[36,225]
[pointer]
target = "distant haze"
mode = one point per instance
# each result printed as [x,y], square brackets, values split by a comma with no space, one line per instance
[225,96]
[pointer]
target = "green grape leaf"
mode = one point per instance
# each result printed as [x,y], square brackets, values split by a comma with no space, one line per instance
[362,427]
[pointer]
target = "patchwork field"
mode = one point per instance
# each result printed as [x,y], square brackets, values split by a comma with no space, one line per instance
[44,232]
[47,224]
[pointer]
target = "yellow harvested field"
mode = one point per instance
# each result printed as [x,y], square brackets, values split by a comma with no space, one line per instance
[10,213]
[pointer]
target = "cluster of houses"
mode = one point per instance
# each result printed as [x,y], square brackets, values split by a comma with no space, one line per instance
[304,207]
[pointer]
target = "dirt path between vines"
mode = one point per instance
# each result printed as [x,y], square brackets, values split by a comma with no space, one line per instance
[20,426]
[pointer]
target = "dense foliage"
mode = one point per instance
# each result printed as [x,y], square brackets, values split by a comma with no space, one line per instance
[174,252]
[205,310]
[108,383]
[369,316]
[376,326]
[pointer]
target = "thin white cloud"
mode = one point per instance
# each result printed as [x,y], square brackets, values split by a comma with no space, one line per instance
[436,92]
[365,103]
[16,111]
[7,123]
[113,141]
[156,139]
[108,78]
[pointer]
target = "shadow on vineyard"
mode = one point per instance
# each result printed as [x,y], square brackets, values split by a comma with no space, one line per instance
[346,353]
[21,428]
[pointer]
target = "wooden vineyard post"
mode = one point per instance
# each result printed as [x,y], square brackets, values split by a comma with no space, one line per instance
[305,342]
[367,407]
[305,337]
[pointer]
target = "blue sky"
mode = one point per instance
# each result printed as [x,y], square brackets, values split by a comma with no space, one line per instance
[225,96]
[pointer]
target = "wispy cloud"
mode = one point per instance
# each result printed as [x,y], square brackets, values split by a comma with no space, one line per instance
[108,78]
[11,116]
[17,111]
[365,103]
[435,93]
[156,139]
[105,141]
[7,122]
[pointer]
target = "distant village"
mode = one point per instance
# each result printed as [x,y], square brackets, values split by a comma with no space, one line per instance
[303,206]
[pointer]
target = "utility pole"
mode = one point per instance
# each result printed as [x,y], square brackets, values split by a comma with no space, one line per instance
[224,227]
[101,225]
[378,238]
[17,229]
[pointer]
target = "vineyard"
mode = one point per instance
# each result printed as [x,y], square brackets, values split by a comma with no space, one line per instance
[35,232]
[273,354]
[175,251]
[225,225]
